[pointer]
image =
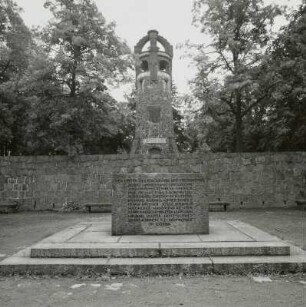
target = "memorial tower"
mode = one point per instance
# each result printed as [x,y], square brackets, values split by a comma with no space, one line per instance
[154,117]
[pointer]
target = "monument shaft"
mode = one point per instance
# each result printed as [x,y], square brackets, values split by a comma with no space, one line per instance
[154,120]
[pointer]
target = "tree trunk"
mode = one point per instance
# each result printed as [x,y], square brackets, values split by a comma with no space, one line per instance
[239,125]
[76,56]
[73,80]
[239,134]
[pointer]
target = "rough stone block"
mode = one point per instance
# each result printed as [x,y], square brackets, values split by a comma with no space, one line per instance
[156,203]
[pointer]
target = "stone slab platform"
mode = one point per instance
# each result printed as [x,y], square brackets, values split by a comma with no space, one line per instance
[230,235]
[94,240]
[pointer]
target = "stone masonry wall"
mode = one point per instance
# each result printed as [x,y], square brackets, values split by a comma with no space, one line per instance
[245,180]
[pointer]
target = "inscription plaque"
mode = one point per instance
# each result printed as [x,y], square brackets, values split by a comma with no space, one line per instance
[159,204]
[155,141]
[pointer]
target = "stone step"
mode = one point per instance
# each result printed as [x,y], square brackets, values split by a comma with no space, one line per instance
[159,250]
[22,264]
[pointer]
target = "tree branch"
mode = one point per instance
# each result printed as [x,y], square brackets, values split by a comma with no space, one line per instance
[259,99]
[5,68]
[226,62]
[229,103]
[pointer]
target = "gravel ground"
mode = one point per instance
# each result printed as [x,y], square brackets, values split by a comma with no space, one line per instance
[20,230]
[158,291]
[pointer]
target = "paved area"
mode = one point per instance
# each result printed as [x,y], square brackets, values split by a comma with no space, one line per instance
[94,239]
[99,231]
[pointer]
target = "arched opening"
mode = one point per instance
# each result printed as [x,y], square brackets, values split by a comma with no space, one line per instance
[164,66]
[161,47]
[144,66]
[155,151]
[147,46]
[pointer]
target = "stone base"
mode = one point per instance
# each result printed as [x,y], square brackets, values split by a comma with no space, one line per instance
[156,250]
[232,247]
[93,240]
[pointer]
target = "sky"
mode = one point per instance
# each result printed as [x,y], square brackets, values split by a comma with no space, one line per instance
[134,18]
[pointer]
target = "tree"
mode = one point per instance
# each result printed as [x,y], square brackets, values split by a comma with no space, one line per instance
[15,40]
[183,125]
[178,118]
[76,126]
[86,49]
[74,59]
[285,124]
[240,31]
[90,122]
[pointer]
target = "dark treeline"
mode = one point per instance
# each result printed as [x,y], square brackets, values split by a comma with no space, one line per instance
[54,96]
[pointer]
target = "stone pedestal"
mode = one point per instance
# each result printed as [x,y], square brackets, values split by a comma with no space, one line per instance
[155,203]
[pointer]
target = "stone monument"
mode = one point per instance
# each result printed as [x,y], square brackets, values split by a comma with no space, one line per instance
[154,120]
[154,202]
[159,203]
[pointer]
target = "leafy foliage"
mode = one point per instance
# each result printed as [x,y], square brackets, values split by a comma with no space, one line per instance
[59,96]
[15,40]
[285,119]
[85,48]
[249,92]
[228,81]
